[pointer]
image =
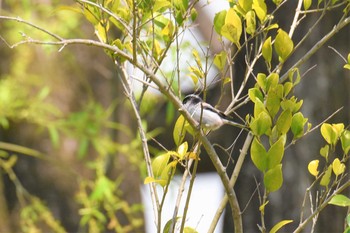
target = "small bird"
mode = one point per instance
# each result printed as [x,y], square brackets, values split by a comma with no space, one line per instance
[205,114]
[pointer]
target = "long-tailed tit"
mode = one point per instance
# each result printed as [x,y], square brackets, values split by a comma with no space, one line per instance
[205,114]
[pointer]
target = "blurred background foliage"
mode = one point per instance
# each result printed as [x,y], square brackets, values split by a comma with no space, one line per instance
[65,105]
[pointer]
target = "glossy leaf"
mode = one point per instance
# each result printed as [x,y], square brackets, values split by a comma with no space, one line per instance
[246,5]
[338,167]
[345,141]
[182,150]
[261,80]
[159,163]
[340,200]
[251,22]
[260,8]
[307,4]
[272,81]
[332,132]
[258,155]
[232,29]
[279,225]
[219,21]
[267,51]
[262,124]
[283,45]
[313,167]
[275,154]
[284,122]
[298,123]
[254,93]
[273,179]
[273,101]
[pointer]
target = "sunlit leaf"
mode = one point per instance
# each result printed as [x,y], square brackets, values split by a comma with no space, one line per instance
[245,4]
[182,150]
[298,123]
[262,124]
[267,51]
[190,230]
[307,4]
[283,45]
[279,225]
[272,81]
[261,80]
[329,133]
[219,21]
[258,155]
[260,8]
[273,179]
[159,163]
[251,22]
[284,122]
[345,141]
[254,93]
[340,200]
[313,167]
[232,29]
[338,167]
[275,153]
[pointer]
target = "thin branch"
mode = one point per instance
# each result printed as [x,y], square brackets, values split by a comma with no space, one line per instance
[127,87]
[317,46]
[321,207]
[233,180]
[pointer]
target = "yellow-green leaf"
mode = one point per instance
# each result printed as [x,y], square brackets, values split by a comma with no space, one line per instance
[338,167]
[307,4]
[260,8]
[340,200]
[283,45]
[330,133]
[279,225]
[258,155]
[273,179]
[251,22]
[262,124]
[324,152]
[246,4]
[275,153]
[326,178]
[313,167]
[284,121]
[267,51]
[345,141]
[220,60]
[159,163]
[232,29]
[182,150]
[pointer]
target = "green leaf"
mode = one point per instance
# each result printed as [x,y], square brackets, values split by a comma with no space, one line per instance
[261,80]
[267,51]
[307,4]
[279,225]
[180,129]
[287,87]
[159,163]
[345,141]
[246,4]
[258,155]
[294,76]
[167,173]
[331,133]
[262,124]
[251,22]
[219,21]
[258,107]
[220,60]
[283,45]
[232,29]
[182,150]
[273,101]
[272,81]
[326,178]
[298,123]
[340,200]
[275,153]
[284,122]
[273,179]
[260,8]
[254,93]
[324,152]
